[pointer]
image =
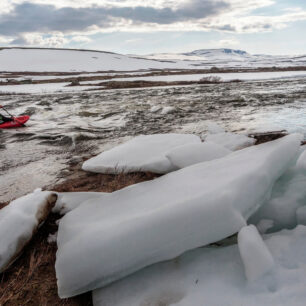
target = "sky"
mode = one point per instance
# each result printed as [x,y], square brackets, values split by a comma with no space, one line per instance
[146,26]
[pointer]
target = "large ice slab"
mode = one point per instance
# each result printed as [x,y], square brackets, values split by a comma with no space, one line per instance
[301,162]
[108,238]
[231,141]
[19,220]
[288,195]
[142,153]
[215,276]
[190,154]
[67,201]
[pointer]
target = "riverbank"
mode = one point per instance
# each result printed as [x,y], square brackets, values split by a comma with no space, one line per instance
[31,279]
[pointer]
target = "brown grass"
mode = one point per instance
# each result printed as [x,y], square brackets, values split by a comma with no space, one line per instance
[103,182]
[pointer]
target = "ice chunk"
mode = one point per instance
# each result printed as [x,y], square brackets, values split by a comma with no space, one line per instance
[19,220]
[263,225]
[187,155]
[257,259]
[214,277]
[301,215]
[143,153]
[124,231]
[231,141]
[66,201]
[301,162]
[288,194]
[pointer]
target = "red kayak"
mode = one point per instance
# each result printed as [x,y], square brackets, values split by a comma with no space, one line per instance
[18,121]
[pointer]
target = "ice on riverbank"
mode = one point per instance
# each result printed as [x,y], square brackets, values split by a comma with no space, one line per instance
[256,257]
[19,220]
[230,141]
[132,228]
[187,155]
[215,276]
[288,195]
[68,201]
[142,153]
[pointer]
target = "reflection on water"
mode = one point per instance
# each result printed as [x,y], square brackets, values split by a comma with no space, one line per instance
[68,124]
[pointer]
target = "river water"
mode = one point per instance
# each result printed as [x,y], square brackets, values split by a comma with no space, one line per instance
[64,126]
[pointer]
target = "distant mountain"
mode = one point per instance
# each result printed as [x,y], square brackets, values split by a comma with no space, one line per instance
[215,52]
[204,54]
[67,60]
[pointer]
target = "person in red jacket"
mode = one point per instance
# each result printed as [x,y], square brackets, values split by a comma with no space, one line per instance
[4,118]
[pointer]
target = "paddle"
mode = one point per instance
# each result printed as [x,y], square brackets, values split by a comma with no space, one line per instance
[12,116]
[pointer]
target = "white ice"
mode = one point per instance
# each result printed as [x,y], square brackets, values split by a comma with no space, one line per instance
[142,153]
[301,215]
[256,257]
[187,155]
[288,195]
[301,162]
[67,201]
[18,221]
[264,225]
[215,277]
[230,141]
[124,231]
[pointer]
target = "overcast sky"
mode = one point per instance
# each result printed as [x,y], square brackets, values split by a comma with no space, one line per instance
[143,26]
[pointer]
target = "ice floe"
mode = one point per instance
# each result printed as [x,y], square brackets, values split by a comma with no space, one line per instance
[19,220]
[117,234]
[142,153]
[67,201]
[230,140]
[288,195]
[187,155]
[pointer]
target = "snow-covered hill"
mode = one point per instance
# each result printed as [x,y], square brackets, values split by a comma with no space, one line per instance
[231,58]
[64,60]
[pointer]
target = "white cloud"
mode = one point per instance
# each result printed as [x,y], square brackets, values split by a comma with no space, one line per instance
[229,42]
[38,40]
[228,16]
[81,39]
[5,40]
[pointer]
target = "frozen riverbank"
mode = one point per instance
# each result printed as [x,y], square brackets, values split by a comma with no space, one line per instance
[67,126]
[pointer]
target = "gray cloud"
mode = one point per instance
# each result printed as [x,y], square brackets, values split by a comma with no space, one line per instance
[30,17]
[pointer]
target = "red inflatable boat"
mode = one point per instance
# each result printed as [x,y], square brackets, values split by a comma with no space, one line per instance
[18,121]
